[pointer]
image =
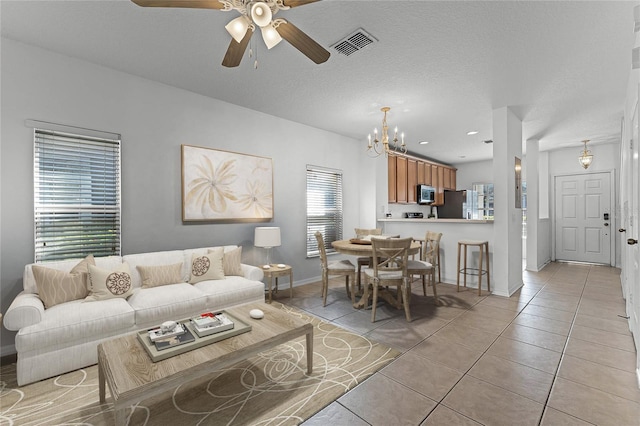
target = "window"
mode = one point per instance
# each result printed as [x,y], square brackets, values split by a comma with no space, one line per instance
[76,195]
[324,207]
[483,197]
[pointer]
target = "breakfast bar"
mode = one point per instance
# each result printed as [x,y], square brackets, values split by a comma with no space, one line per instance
[453,230]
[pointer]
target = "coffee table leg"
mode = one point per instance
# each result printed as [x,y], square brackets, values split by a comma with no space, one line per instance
[101,383]
[270,289]
[310,352]
[120,416]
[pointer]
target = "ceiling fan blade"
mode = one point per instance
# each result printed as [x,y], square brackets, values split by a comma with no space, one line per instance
[296,3]
[195,4]
[236,50]
[303,42]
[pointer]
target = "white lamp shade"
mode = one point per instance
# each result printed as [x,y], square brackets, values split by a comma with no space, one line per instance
[270,36]
[267,236]
[238,28]
[261,14]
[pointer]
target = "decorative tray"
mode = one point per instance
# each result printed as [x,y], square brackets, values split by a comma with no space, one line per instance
[156,355]
[359,241]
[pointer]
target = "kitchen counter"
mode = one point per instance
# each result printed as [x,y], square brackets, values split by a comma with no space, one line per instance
[433,220]
[453,230]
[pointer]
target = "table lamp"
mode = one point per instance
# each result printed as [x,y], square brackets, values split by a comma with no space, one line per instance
[267,237]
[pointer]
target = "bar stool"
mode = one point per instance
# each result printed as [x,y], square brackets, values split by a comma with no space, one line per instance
[479,271]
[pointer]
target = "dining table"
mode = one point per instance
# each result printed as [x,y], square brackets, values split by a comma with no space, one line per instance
[361,247]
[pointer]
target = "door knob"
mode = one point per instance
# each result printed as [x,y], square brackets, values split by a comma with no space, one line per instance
[622,230]
[606,224]
[631,241]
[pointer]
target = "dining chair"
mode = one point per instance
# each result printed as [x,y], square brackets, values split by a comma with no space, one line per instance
[427,265]
[390,258]
[365,261]
[338,268]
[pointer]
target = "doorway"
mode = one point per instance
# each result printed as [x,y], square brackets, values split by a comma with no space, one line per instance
[583,219]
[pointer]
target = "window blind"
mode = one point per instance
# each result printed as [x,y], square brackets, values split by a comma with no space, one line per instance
[324,208]
[76,196]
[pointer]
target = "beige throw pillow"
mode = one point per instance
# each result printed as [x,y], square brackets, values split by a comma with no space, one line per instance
[104,284]
[55,286]
[231,262]
[154,276]
[207,266]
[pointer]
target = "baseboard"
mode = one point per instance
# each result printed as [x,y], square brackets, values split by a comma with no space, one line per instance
[8,355]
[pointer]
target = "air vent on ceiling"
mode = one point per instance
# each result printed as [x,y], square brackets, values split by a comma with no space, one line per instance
[354,42]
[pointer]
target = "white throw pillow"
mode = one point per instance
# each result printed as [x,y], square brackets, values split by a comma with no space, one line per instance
[104,284]
[231,262]
[207,266]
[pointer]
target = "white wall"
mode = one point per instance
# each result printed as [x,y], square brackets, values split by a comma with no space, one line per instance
[154,120]
[475,172]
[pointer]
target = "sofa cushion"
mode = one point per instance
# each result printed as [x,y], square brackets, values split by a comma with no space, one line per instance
[56,286]
[154,276]
[29,282]
[76,321]
[107,284]
[207,266]
[231,291]
[168,302]
[157,258]
[231,262]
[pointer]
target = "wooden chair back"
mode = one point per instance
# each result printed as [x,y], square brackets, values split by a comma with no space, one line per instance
[390,257]
[432,247]
[363,232]
[322,249]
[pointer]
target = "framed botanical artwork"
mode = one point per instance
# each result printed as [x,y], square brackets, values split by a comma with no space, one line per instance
[224,186]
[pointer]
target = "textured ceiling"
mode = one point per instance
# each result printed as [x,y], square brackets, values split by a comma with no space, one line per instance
[442,67]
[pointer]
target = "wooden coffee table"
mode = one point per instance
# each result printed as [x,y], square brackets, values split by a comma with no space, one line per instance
[125,366]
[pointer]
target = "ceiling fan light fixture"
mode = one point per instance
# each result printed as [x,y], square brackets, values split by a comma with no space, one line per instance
[238,28]
[270,36]
[261,14]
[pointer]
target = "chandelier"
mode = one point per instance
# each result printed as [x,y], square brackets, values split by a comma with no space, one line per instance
[585,157]
[377,147]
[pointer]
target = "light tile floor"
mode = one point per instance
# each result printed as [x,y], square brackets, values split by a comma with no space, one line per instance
[555,353]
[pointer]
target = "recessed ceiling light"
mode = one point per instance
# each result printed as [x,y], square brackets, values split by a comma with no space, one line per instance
[423,142]
[471,133]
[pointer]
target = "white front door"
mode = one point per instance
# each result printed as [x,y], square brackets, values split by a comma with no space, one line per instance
[583,218]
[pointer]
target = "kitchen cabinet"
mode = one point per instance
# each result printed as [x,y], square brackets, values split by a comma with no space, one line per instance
[427,174]
[421,172]
[405,172]
[412,180]
[449,181]
[401,179]
[391,186]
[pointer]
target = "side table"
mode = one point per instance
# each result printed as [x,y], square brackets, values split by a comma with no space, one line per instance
[278,270]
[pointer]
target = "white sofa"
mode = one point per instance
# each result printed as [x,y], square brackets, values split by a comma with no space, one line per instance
[65,337]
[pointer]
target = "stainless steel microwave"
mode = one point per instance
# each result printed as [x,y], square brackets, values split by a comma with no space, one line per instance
[425,194]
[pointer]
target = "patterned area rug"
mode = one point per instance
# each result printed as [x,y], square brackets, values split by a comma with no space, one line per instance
[271,388]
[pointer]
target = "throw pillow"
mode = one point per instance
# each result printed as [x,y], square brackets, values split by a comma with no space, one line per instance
[207,266]
[55,286]
[104,284]
[154,276]
[231,262]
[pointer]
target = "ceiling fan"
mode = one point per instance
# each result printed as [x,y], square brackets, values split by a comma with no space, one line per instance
[253,13]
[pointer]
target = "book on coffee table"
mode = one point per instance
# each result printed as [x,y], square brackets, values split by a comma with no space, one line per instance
[207,323]
[156,333]
[171,341]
